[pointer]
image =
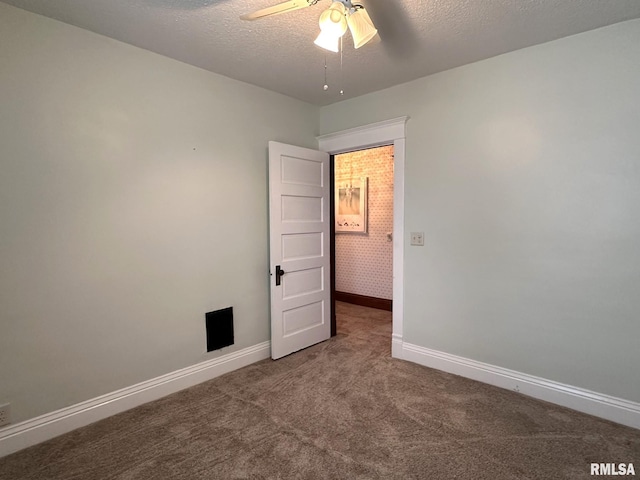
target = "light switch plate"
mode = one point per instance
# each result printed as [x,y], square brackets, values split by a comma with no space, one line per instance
[417,238]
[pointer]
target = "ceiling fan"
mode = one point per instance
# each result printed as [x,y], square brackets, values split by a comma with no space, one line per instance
[333,21]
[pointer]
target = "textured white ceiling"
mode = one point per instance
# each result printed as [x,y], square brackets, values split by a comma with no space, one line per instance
[417,38]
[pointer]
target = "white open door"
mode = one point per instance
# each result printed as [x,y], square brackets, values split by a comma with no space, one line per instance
[299,248]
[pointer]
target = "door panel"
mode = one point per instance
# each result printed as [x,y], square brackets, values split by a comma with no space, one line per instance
[299,245]
[296,246]
[303,282]
[296,208]
[296,320]
[298,171]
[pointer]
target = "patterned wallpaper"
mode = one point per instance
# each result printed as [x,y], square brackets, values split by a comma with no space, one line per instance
[364,262]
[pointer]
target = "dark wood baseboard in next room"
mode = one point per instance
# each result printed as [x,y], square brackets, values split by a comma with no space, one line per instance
[373,302]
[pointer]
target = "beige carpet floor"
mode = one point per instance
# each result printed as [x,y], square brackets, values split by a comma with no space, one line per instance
[343,409]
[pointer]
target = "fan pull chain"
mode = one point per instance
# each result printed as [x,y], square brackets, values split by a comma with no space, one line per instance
[326,86]
[341,74]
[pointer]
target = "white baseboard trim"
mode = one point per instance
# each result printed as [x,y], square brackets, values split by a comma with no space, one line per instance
[37,430]
[600,405]
[396,346]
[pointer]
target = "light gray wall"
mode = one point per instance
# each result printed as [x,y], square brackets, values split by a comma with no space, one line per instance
[133,199]
[524,173]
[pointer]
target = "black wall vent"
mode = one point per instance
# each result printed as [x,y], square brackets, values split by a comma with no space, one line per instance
[219,329]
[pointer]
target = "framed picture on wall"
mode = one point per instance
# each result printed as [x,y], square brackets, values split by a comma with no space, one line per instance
[351,205]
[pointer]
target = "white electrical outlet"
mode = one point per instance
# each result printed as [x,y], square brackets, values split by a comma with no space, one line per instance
[417,238]
[5,418]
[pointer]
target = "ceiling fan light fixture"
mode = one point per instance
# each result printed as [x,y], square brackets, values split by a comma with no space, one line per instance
[333,20]
[361,27]
[328,42]
[333,25]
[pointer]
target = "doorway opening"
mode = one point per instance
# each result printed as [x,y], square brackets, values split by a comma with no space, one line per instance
[362,236]
[386,132]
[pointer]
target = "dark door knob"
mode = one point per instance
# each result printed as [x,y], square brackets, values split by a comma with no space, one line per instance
[279,274]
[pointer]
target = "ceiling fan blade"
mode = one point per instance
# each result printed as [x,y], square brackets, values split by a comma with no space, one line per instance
[277,9]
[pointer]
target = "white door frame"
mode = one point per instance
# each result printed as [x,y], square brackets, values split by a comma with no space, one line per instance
[375,135]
